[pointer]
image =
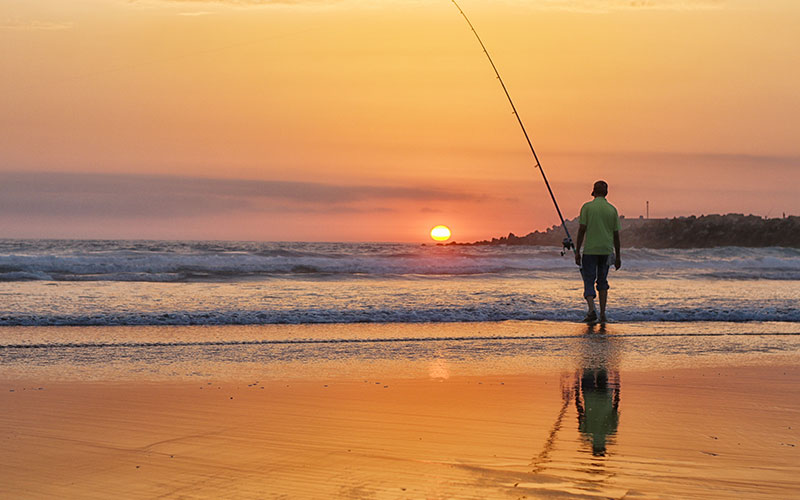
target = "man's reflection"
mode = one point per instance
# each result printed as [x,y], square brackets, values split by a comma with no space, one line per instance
[596,392]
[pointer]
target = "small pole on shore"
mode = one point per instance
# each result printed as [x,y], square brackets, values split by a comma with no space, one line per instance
[648,209]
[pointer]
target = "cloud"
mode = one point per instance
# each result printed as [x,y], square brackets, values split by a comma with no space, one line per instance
[33,25]
[251,2]
[130,196]
[675,158]
[603,6]
[586,6]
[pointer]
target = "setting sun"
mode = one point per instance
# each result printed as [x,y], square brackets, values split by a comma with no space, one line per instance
[440,233]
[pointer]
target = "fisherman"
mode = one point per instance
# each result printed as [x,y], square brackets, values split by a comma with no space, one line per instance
[599,223]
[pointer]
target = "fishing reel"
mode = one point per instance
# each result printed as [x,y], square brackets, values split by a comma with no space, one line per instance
[567,245]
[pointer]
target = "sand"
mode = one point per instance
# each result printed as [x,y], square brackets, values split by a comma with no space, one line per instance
[710,432]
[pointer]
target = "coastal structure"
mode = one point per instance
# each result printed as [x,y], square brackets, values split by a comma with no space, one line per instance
[705,231]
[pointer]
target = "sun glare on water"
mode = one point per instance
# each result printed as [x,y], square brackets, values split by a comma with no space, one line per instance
[440,233]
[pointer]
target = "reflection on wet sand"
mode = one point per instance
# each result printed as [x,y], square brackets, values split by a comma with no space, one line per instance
[597,391]
[594,388]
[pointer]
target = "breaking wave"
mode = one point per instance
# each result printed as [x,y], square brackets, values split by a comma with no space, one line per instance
[33,260]
[398,315]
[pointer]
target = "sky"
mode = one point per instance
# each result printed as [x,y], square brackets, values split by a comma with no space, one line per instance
[355,120]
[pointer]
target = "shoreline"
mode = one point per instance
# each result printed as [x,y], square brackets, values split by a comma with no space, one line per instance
[167,353]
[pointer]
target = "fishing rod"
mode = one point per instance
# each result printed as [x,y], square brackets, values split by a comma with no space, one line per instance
[567,242]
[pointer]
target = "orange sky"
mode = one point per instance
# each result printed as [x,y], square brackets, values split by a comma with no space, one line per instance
[375,120]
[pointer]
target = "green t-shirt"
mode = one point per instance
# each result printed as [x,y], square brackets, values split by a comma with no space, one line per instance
[601,220]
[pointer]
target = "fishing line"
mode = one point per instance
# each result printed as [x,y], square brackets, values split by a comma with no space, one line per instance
[567,242]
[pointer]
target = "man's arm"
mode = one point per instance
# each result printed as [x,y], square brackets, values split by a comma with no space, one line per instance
[618,259]
[581,234]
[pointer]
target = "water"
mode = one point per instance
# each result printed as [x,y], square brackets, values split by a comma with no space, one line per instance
[117,283]
[233,318]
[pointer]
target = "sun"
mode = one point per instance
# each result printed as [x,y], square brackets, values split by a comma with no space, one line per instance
[440,233]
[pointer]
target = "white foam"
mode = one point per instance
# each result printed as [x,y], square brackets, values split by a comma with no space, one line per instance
[398,315]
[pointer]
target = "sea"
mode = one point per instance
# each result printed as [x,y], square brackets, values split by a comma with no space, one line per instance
[79,283]
[90,301]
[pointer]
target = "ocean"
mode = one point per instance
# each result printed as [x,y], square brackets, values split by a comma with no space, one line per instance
[115,309]
[117,283]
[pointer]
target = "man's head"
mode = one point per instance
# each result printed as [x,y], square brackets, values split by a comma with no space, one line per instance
[600,188]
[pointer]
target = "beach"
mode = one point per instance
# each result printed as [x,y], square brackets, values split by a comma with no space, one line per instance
[168,369]
[595,417]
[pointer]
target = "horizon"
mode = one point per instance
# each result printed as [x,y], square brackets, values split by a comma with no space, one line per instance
[364,122]
[422,242]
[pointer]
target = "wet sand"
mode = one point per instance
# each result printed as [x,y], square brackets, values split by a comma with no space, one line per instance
[724,431]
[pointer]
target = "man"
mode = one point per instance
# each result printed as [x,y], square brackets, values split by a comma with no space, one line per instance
[599,223]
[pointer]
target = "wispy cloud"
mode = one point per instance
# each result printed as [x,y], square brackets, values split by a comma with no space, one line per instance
[250,2]
[739,159]
[125,196]
[588,6]
[602,6]
[33,25]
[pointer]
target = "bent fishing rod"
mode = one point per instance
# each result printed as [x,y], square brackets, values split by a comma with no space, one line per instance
[567,242]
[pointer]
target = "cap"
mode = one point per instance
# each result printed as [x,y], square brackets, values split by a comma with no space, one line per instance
[600,188]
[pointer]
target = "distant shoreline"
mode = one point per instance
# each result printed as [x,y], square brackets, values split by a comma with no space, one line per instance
[705,231]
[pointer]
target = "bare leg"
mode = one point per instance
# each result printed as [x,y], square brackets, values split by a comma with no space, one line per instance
[603,299]
[590,302]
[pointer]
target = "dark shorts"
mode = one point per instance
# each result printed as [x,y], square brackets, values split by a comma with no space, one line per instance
[594,269]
